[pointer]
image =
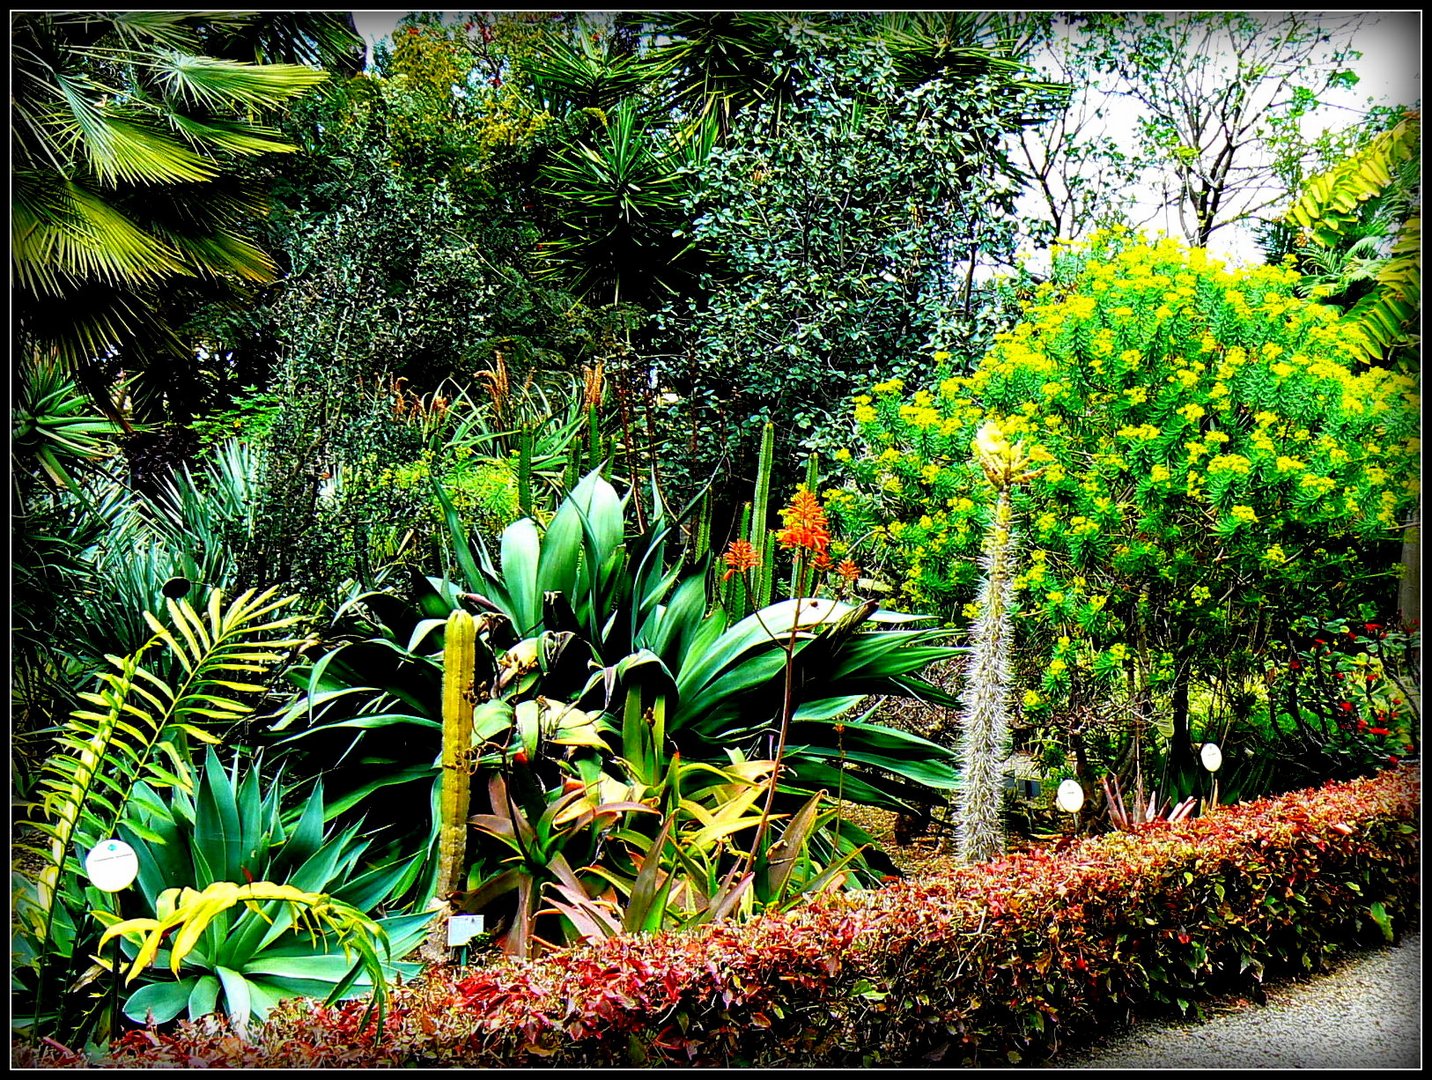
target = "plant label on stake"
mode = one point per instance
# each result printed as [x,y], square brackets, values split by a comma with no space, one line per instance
[1212,758]
[111,866]
[1070,797]
[463,928]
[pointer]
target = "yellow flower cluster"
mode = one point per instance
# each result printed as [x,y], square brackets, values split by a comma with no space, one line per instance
[1230,463]
[1141,431]
[1192,412]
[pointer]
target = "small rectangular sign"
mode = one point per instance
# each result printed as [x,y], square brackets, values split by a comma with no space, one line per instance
[462,929]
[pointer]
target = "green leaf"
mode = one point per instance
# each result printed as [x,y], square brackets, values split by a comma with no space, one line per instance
[1379,916]
[521,552]
[165,1000]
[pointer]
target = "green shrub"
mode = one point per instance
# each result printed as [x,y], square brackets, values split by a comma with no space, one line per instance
[1215,459]
[990,965]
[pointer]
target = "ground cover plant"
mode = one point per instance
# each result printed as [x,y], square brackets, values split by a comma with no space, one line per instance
[436,493]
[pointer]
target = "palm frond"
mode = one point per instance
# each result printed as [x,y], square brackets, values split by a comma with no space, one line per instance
[209,82]
[64,233]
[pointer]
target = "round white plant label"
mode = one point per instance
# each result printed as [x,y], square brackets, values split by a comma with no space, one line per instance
[1212,756]
[1070,796]
[112,865]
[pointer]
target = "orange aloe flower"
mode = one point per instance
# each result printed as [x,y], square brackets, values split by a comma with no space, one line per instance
[806,526]
[740,557]
[848,570]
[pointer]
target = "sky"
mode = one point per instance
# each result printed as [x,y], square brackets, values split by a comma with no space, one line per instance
[1389,72]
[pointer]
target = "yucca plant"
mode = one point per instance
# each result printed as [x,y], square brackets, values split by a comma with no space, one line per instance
[55,426]
[232,832]
[193,675]
[617,201]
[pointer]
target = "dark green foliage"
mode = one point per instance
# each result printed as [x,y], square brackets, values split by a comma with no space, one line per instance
[842,228]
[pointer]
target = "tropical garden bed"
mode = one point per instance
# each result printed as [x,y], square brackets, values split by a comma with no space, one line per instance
[624,507]
[1001,963]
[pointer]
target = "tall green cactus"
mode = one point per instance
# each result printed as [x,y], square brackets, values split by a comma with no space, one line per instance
[701,540]
[525,439]
[760,511]
[734,600]
[459,664]
[594,439]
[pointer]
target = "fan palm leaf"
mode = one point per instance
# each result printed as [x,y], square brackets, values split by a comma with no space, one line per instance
[123,131]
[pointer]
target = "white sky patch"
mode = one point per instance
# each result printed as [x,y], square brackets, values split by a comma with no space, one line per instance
[1389,73]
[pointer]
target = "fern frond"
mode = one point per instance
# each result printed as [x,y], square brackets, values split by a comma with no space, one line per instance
[135,726]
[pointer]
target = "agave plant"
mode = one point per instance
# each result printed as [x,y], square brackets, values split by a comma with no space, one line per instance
[598,666]
[583,575]
[233,832]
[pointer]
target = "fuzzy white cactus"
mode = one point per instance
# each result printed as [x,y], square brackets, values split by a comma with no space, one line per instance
[984,716]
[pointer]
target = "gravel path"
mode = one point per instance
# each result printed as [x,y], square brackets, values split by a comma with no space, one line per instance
[1364,1013]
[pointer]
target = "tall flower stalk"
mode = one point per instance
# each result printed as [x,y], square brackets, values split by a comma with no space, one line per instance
[806,533]
[984,713]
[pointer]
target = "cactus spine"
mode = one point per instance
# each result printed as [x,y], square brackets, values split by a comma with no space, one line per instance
[984,712]
[459,662]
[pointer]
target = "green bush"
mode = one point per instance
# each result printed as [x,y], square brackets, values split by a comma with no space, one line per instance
[996,963]
[1215,460]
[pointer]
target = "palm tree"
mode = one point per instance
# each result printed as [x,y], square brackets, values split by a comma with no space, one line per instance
[129,144]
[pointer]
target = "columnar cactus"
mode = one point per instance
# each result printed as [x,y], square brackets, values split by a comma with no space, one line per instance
[759,511]
[459,658]
[525,438]
[984,717]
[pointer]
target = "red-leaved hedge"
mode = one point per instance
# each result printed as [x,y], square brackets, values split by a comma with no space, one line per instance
[1000,962]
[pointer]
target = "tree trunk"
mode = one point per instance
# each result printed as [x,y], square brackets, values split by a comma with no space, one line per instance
[1180,749]
[1409,589]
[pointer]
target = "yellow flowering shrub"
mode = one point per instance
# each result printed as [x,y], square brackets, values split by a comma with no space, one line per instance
[1214,458]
